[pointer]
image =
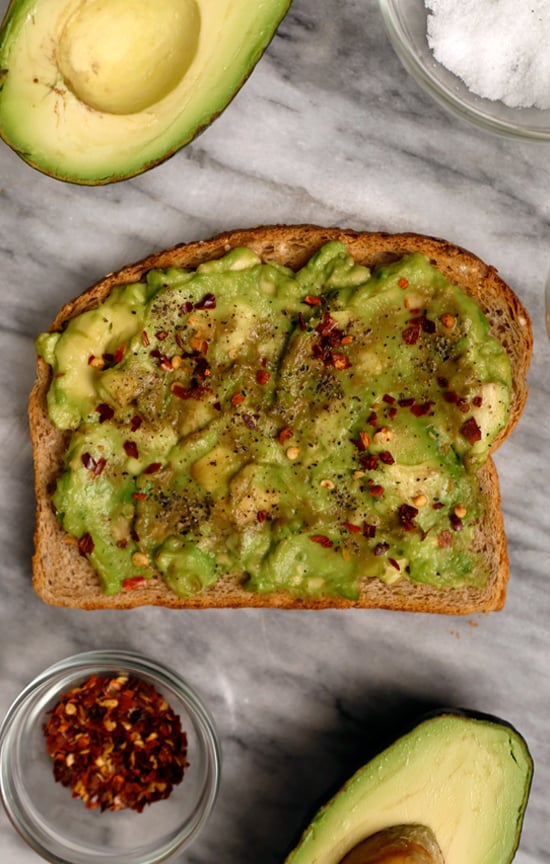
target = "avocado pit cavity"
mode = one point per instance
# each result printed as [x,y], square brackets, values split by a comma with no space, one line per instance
[123,56]
[400,844]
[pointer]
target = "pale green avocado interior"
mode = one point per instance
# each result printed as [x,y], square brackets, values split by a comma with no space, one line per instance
[466,778]
[93,91]
[307,431]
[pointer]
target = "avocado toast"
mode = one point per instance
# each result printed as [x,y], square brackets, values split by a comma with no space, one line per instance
[289,538]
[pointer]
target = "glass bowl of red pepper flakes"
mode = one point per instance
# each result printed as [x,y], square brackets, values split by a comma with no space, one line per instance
[108,756]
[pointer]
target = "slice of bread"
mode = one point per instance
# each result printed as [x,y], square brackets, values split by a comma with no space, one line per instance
[61,576]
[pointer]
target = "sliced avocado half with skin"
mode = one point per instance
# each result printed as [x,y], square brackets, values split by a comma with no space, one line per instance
[95,91]
[464,778]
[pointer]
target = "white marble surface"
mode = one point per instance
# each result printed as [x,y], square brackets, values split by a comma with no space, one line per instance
[328,129]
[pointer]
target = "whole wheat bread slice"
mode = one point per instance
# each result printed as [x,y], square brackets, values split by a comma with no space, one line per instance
[61,576]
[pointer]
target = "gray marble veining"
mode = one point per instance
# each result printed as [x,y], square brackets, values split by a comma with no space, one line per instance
[328,129]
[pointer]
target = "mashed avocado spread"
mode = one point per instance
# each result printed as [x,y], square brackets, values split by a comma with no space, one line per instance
[306,430]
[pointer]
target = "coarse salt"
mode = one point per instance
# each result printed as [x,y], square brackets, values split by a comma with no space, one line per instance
[499,48]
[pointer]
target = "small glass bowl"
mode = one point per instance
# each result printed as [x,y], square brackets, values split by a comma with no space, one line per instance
[60,827]
[406,25]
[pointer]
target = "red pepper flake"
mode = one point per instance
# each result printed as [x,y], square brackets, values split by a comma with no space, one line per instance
[406,402]
[471,430]
[394,563]
[388,399]
[443,383]
[353,529]
[477,401]
[331,338]
[381,549]
[201,347]
[163,360]
[421,410]
[86,545]
[451,397]
[403,283]
[285,434]
[319,354]
[339,360]
[372,419]
[328,327]
[145,339]
[462,404]
[428,325]
[114,358]
[207,302]
[437,505]
[407,514]
[369,531]
[135,422]
[301,322]
[411,334]
[161,335]
[362,442]
[251,420]
[202,368]
[197,391]
[386,457]
[105,412]
[456,522]
[392,412]
[133,582]
[261,515]
[116,743]
[312,300]
[369,461]
[139,496]
[237,399]
[376,490]
[322,540]
[153,468]
[262,376]
[94,466]
[122,544]
[131,449]
[88,461]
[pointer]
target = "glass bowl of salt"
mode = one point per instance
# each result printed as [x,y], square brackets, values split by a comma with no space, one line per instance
[485,60]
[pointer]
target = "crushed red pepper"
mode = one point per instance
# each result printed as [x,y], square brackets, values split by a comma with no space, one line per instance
[116,743]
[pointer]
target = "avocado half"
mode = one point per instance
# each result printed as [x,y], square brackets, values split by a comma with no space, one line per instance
[95,91]
[465,777]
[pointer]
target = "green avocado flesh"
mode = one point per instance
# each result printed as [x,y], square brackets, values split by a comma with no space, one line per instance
[465,777]
[94,91]
[305,430]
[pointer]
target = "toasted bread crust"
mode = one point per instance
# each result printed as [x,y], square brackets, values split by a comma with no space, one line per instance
[62,577]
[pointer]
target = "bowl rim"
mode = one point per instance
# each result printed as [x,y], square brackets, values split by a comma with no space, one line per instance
[87,663]
[443,95]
